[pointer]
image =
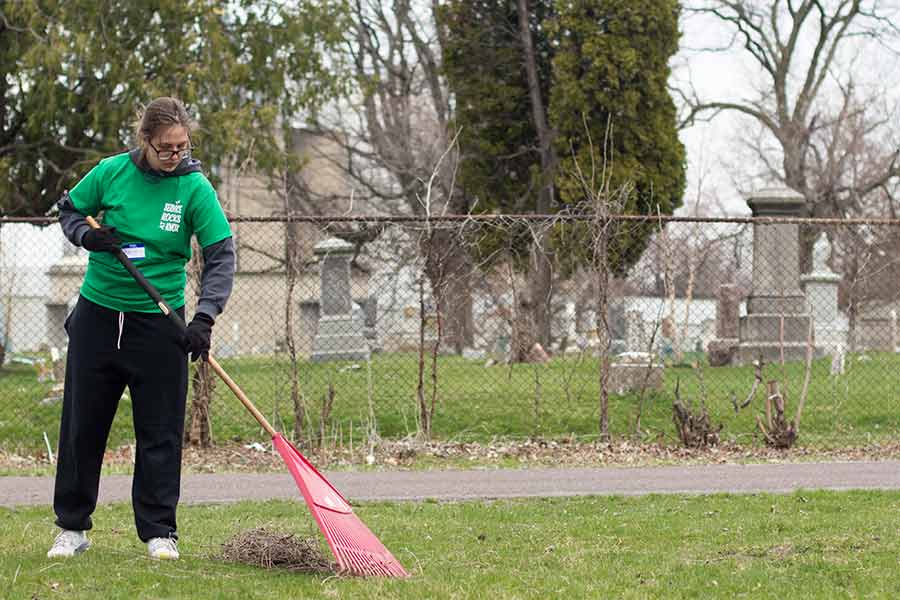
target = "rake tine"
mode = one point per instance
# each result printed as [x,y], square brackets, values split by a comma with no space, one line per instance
[355,547]
[356,565]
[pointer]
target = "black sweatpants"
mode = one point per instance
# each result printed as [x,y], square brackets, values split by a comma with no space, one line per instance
[108,351]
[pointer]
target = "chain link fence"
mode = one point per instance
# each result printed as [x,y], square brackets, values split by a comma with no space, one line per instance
[347,330]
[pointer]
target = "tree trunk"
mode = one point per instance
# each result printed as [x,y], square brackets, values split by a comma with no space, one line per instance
[851,279]
[391,54]
[601,240]
[449,269]
[604,340]
[541,290]
[199,430]
[425,414]
[523,331]
[293,267]
[541,276]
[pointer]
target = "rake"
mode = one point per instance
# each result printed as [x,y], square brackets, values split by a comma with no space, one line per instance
[354,546]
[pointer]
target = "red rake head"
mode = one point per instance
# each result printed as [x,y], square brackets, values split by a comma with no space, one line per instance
[355,547]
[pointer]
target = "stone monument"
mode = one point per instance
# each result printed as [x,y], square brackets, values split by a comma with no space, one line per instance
[634,371]
[777,322]
[821,289]
[340,333]
[637,367]
[636,338]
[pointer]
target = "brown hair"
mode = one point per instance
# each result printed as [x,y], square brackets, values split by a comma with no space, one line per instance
[161,113]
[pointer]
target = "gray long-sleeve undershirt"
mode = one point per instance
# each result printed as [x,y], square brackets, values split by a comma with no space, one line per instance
[216,279]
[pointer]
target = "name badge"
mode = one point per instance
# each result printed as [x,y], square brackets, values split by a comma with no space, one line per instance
[135,251]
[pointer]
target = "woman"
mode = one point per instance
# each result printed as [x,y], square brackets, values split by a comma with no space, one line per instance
[153,200]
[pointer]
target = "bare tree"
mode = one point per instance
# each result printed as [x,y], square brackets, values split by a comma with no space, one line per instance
[866,256]
[436,255]
[602,202]
[801,48]
[293,268]
[848,159]
[395,131]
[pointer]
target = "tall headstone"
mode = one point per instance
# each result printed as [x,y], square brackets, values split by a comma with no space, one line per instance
[723,348]
[635,340]
[370,319]
[339,335]
[777,321]
[821,289]
[616,321]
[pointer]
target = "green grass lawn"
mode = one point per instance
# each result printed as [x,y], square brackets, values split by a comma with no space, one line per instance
[477,403]
[805,545]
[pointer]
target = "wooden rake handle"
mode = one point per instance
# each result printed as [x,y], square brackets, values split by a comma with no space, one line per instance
[179,322]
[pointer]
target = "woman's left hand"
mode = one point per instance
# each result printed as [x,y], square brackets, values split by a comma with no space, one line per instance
[198,335]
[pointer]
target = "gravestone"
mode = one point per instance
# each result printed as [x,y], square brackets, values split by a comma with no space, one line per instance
[821,289]
[777,322]
[339,334]
[723,348]
[837,360]
[875,328]
[634,371]
[616,319]
[635,337]
[637,367]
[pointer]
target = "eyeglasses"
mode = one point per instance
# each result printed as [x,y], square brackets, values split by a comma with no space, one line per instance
[167,154]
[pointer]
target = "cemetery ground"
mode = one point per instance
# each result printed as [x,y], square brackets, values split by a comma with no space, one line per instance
[503,415]
[809,544]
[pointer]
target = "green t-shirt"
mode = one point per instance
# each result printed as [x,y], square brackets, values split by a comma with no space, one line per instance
[155,218]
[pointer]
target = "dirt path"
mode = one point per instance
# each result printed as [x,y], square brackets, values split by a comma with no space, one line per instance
[500,483]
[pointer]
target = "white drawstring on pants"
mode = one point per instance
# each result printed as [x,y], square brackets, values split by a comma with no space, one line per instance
[121,327]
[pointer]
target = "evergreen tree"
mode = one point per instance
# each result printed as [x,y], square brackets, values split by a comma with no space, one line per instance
[600,63]
[484,65]
[72,73]
[611,69]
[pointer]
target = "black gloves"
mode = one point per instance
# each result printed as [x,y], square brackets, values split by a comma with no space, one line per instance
[197,336]
[104,239]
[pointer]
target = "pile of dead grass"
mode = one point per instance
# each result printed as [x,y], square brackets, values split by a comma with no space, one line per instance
[262,547]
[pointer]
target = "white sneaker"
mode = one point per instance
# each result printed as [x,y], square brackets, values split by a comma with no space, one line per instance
[162,548]
[69,543]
